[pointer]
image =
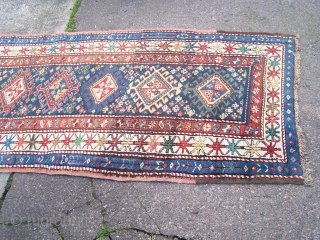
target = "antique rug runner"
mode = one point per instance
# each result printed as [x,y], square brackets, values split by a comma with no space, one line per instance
[150,105]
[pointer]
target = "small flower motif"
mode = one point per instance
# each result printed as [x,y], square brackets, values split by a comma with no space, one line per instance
[176,108]
[184,71]
[165,107]
[235,105]
[190,112]
[229,110]
[190,67]
[239,79]
[206,127]
[141,67]
[134,110]
[234,115]
[187,108]
[180,114]
[218,59]
[255,90]
[129,107]
[124,97]
[239,110]
[223,116]
[234,74]
[231,69]
[254,109]
[178,98]
[200,68]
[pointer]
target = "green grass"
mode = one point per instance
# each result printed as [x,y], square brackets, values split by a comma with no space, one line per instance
[71,26]
[105,232]
[142,205]
[103,211]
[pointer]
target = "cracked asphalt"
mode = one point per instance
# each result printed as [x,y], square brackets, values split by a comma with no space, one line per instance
[37,206]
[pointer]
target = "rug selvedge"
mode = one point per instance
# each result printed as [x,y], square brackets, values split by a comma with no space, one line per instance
[154,103]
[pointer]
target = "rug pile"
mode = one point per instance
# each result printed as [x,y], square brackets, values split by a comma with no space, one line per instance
[153,105]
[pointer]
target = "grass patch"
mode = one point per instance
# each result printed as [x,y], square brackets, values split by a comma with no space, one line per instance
[71,25]
[142,205]
[103,211]
[105,232]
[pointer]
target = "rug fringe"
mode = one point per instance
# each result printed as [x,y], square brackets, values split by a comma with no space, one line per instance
[305,161]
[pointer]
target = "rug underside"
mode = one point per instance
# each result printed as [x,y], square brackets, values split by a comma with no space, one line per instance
[151,105]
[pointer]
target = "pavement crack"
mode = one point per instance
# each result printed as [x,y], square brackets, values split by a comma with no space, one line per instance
[93,190]
[154,221]
[6,190]
[68,211]
[56,227]
[172,237]
[106,233]
[151,235]
[95,197]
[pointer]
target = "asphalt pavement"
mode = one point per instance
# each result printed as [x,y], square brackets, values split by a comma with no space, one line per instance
[40,206]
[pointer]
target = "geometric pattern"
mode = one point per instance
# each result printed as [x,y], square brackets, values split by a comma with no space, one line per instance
[164,105]
[154,89]
[14,91]
[58,89]
[213,90]
[18,87]
[103,88]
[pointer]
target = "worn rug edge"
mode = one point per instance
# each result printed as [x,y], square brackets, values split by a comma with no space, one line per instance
[305,161]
